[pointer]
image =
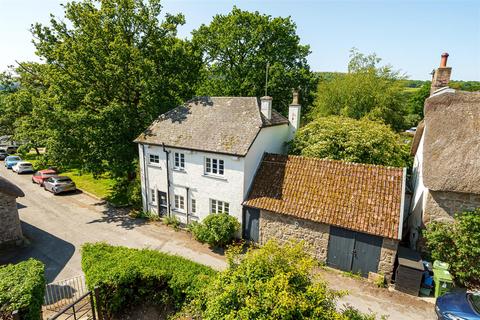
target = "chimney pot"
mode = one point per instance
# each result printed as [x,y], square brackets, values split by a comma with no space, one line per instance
[295,97]
[443,61]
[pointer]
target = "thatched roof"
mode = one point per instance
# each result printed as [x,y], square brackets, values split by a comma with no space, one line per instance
[6,187]
[452,142]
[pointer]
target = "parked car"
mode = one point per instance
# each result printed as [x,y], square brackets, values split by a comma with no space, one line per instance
[59,184]
[42,175]
[10,161]
[3,154]
[22,167]
[12,149]
[458,306]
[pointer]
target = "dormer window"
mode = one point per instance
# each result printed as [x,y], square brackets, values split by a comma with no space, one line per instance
[214,166]
[179,161]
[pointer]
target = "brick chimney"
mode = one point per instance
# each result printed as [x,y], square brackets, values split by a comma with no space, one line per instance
[441,76]
[266,106]
[294,115]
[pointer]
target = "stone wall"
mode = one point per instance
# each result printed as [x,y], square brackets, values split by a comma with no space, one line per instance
[387,258]
[10,229]
[441,205]
[286,228]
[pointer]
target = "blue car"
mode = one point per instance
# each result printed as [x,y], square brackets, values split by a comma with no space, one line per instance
[458,306]
[10,161]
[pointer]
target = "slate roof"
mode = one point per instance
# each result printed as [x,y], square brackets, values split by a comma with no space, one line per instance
[360,197]
[6,187]
[226,125]
[451,145]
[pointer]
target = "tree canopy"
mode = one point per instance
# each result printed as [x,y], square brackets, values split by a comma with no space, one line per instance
[367,90]
[236,49]
[111,67]
[343,138]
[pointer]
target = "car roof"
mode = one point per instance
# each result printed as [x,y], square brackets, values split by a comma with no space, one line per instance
[47,171]
[62,177]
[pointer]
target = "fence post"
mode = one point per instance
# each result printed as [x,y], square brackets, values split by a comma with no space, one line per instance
[98,303]
[16,315]
[92,303]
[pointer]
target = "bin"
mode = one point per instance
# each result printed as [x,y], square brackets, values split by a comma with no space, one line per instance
[440,265]
[443,282]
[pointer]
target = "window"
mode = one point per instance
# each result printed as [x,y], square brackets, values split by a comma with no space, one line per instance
[214,166]
[193,205]
[219,206]
[152,195]
[179,161]
[154,158]
[179,202]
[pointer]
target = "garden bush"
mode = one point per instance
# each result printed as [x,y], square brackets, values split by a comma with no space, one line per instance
[458,244]
[126,277]
[22,287]
[216,229]
[273,282]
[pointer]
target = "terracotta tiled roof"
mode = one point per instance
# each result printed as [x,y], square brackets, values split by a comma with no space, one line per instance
[360,197]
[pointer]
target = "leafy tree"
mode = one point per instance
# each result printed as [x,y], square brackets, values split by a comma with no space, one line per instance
[273,282]
[237,47]
[113,67]
[217,229]
[367,90]
[342,138]
[458,244]
[416,103]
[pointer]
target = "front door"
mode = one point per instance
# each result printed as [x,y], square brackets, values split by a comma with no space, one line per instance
[162,203]
[251,224]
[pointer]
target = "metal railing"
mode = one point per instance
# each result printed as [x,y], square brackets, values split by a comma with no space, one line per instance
[61,293]
[82,308]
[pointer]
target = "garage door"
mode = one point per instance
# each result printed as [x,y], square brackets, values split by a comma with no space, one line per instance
[353,251]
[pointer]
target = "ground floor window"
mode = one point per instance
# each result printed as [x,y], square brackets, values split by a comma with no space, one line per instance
[179,202]
[193,203]
[217,206]
[152,195]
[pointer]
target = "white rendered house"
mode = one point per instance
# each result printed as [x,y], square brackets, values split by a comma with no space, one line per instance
[201,157]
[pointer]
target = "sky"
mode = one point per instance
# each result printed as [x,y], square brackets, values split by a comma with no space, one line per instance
[409,35]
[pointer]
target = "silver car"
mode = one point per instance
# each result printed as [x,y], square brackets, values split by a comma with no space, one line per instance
[3,154]
[59,184]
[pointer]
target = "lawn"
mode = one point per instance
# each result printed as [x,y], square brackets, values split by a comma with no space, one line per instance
[100,186]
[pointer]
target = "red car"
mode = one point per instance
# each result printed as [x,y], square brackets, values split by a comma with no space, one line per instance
[42,175]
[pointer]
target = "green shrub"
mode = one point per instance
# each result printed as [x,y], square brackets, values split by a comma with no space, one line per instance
[172,221]
[273,282]
[216,229]
[22,287]
[126,276]
[458,244]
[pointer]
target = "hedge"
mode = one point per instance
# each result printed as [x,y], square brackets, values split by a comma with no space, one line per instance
[22,288]
[127,276]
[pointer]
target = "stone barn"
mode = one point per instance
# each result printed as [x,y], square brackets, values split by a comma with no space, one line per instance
[10,229]
[350,215]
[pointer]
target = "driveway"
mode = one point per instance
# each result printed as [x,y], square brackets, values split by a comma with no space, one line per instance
[57,226]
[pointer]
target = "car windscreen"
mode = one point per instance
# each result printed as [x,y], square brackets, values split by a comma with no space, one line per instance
[26,164]
[14,158]
[64,180]
[474,299]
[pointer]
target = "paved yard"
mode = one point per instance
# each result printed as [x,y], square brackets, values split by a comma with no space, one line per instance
[57,226]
